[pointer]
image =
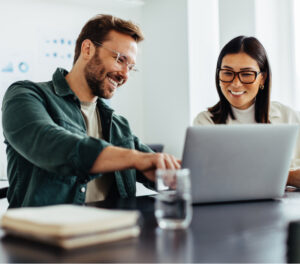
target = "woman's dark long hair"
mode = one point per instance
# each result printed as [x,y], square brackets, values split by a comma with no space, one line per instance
[252,47]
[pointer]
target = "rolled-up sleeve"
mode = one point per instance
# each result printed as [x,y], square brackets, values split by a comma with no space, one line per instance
[30,130]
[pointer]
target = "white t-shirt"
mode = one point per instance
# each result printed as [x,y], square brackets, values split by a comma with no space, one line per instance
[246,116]
[97,189]
[279,114]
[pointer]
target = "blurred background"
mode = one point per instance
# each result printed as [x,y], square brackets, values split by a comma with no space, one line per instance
[177,60]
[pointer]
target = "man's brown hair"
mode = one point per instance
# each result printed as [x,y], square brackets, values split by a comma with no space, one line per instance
[97,29]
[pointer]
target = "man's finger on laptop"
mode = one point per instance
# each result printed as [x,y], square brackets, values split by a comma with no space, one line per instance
[169,162]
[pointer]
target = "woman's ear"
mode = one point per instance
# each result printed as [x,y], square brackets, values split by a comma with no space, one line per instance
[263,79]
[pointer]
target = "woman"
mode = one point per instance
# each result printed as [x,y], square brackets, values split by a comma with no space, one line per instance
[243,81]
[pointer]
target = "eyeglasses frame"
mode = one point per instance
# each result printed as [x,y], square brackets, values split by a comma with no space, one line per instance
[237,74]
[130,66]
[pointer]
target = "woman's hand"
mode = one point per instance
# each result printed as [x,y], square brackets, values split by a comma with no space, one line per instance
[294,178]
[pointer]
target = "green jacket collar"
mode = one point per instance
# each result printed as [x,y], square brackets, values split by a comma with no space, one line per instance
[61,87]
[102,105]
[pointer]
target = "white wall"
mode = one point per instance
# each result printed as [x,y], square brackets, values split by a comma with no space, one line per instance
[203,41]
[165,73]
[275,29]
[236,18]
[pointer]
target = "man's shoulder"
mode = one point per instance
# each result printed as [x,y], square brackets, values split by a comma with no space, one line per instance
[28,86]
[29,89]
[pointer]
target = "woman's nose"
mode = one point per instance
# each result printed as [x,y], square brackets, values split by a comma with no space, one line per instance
[236,81]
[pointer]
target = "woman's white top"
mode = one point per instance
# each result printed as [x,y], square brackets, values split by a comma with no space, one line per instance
[279,114]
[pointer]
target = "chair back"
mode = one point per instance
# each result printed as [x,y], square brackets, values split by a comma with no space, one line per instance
[156,147]
[3,192]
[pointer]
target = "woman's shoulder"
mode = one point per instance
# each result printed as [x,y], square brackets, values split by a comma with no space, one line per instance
[279,106]
[283,113]
[203,118]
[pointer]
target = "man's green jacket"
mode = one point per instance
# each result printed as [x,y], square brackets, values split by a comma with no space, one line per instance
[49,154]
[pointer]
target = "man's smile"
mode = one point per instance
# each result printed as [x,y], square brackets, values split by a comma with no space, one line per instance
[115,80]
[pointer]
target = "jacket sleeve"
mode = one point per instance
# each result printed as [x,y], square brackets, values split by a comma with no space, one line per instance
[279,114]
[30,130]
[139,175]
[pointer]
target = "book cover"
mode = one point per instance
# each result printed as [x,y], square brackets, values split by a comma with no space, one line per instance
[71,226]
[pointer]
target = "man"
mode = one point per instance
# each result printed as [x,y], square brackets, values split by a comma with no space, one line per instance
[64,144]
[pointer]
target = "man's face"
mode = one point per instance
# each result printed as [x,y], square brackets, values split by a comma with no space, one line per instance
[106,71]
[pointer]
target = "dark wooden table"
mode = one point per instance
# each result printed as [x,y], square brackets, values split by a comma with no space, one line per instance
[229,232]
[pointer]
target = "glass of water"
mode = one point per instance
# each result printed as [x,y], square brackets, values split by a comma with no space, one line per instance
[173,209]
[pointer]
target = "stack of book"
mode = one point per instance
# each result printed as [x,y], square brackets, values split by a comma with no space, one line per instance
[71,226]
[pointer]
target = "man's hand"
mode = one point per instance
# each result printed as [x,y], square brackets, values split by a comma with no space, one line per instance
[147,163]
[115,158]
[294,178]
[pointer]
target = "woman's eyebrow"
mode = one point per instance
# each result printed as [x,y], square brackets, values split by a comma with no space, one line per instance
[247,68]
[242,69]
[225,66]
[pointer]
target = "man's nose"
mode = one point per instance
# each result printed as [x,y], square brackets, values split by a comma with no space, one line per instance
[125,72]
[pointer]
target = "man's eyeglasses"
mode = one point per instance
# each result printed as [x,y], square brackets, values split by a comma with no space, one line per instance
[246,77]
[120,58]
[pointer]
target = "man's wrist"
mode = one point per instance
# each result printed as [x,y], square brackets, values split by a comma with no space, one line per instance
[134,157]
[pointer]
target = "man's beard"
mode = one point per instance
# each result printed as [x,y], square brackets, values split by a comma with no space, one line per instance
[94,77]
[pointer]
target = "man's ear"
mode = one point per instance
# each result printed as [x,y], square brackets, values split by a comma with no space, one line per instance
[87,49]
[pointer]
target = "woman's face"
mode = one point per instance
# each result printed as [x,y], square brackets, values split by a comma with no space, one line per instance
[242,90]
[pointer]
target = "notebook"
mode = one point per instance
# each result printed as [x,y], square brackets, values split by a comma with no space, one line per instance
[71,226]
[238,162]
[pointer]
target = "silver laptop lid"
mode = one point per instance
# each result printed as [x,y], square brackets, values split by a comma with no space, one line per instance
[238,162]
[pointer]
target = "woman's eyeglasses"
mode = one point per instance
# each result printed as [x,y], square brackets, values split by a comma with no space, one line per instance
[245,77]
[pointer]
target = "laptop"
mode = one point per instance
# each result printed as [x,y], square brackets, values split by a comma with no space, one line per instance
[238,162]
